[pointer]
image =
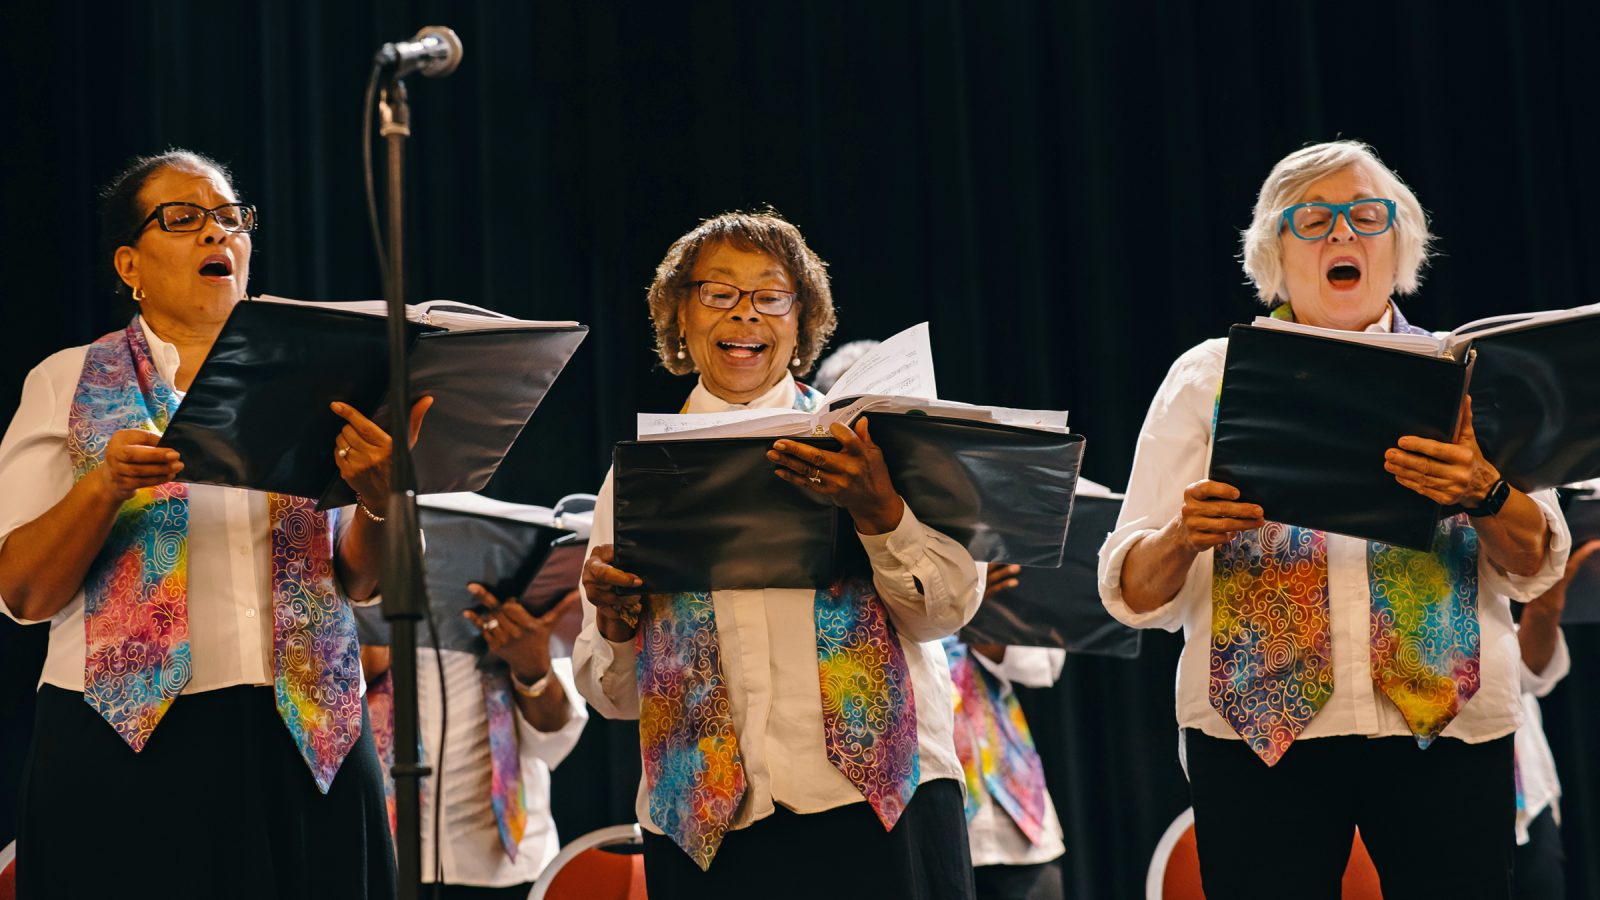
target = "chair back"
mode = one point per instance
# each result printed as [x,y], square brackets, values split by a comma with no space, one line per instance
[606,864]
[1174,872]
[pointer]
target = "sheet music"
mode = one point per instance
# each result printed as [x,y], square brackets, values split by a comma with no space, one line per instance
[734,423]
[451,315]
[901,366]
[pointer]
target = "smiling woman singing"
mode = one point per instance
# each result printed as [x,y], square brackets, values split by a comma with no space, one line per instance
[795,743]
[1328,682]
[200,730]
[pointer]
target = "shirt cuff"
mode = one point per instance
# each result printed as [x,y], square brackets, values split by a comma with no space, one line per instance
[1036,667]
[1524,588]
[1541,683]
[899,549]
[1111,559]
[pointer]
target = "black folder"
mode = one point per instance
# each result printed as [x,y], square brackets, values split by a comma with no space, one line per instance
[257,413]
[1303,422]
[1583,592]
[1061,607]
[694,515]
[1536,402]
[506,556]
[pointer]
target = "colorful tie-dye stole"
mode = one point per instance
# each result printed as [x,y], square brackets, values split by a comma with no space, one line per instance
[994,744]
[380,709]
[1271,653]
[506,794]
[1425,637]
[869,709]
[136,608]
[1271,650]
[136,611]
[316,658]
[693,771]
[505,761]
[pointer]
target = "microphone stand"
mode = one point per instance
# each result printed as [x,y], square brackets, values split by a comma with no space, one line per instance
[405,596]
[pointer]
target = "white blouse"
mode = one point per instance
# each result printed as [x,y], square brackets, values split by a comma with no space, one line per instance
[472,853]
[1173,452]
[230,552]
[1536,765]
[995,838]
[769,657]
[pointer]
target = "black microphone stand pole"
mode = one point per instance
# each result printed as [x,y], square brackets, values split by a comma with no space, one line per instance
[405,597]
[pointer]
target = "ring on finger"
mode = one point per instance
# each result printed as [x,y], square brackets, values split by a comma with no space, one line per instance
[816,475]
[491,625]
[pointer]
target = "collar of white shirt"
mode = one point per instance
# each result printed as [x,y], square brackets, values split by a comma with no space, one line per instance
[163,354]
[779,396]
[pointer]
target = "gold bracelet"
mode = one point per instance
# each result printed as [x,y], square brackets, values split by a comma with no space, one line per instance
[531,691]
[362,505]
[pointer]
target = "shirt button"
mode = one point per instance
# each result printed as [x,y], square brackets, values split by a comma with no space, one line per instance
[250,613]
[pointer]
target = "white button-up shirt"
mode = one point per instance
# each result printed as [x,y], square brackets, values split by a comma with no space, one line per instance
[230,552]
[1536,766]
[1173,452]
[472,852]
[769,657]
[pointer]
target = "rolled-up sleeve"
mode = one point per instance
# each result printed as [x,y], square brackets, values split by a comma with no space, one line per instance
[1524,588]
[926,579]
[1540,684]
[602,669]
[1035,667]
[1171,454]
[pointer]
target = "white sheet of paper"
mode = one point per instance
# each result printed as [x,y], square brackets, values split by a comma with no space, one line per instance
[451,315]
[901,365]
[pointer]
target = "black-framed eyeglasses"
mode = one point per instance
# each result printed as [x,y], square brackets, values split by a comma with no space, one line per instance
[180,216]
[719,295]
[1313,221]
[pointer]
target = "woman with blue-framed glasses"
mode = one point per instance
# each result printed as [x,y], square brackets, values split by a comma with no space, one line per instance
[1329,683]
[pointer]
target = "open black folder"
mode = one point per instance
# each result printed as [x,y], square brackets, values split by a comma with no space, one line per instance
[257,413]
[1304,419]
[1061,607]
[509,556]
[1303,423]
[709,514]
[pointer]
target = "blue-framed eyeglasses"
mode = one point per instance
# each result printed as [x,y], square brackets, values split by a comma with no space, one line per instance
[1313,221]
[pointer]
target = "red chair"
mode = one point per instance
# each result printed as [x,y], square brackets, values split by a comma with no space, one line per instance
[8,872]
[1174,872]
[607,864]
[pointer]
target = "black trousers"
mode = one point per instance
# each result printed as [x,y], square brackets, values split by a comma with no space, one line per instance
[1037,882]
[840,854]
[1437,822]
[218,804]
[1541,863]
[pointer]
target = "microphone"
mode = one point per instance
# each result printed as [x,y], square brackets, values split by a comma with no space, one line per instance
[435,51]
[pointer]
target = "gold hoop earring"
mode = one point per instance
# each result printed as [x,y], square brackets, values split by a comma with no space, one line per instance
[138,295]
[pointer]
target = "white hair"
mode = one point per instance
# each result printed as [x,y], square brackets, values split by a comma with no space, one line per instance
[1289,179]
[839,362]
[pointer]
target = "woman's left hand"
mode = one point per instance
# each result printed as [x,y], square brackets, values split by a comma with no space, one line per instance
[515,635]
[1450,474]
[364,453]
[854,477]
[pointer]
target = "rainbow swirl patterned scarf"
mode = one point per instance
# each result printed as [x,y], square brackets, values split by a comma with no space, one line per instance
[1271,657]
[694,773]
[994,744]
[136,592]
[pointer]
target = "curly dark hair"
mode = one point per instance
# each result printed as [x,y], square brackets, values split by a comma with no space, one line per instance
[121,211]
[763,231]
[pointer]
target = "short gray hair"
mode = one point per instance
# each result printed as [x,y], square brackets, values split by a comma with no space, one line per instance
[1263,250]
[839,362]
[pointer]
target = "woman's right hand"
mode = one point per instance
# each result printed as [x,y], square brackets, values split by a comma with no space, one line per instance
[1211,515]
[133,461]
[617,615]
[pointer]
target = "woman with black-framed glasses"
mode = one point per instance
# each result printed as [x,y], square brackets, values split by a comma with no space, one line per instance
[200,730]
[795,743]
[1327,682]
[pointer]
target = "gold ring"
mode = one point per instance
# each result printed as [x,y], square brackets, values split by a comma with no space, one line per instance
[344,452]
[491,625]
[816,475]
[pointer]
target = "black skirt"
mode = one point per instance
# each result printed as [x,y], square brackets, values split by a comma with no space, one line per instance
[840,854]
[218,804]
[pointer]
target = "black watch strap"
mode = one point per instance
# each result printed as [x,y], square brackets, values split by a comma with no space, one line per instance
[1499,492]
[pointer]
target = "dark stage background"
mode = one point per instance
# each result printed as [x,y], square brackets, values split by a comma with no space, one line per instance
[1056,186]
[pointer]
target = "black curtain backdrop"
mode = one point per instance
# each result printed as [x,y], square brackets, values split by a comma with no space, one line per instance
[1057,187]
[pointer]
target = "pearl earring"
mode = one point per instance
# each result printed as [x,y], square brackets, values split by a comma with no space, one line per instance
[795,363]
[683,348]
